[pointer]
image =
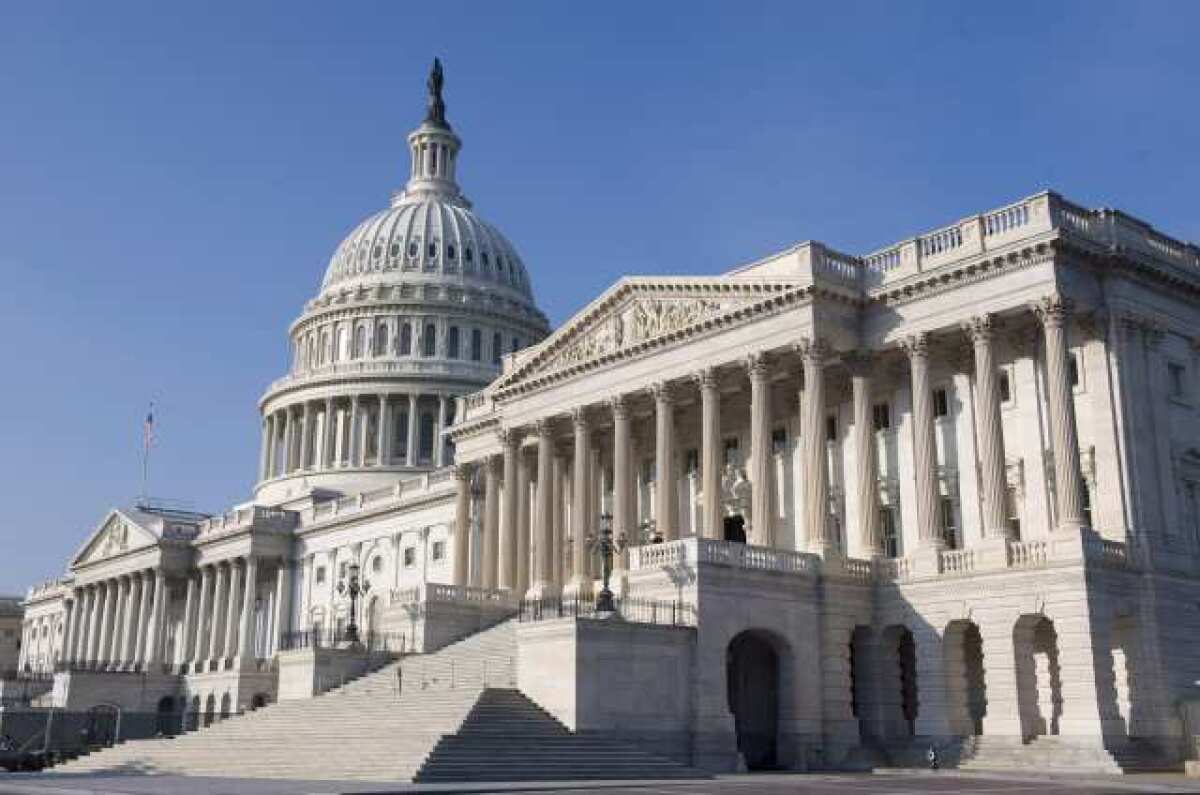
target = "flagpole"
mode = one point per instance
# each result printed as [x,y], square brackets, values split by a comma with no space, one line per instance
[147,442]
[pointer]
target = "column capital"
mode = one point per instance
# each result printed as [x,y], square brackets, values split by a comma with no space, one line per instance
[663,392]
[1053,309]
[813,350]
[916,345]
[706,378]
[579,417]
[981,329]
[758,366]
[509,438]
[544,428]
[619,405]
[463,472]
[860,362]
[494,464]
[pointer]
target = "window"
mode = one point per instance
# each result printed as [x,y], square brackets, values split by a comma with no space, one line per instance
[496,352]
[468,255]
[450,251]
[400,435]
[360,342]
[650,469]
[949,525]
[452,343]
[320,574]
[432,250]
[324,353]
[1086,494]
[476,345]
[692,461]
[342,570]
[439,550]
[882,416]
[412,249]
[483,255]
[406,339]
[410,557]
[1005,387]
[429,340]
[1014,515]
[425,441]
[377,565]
[731,453]
[1175,380]
[831,428]
[887,527]
[381,340]
[1073,369]
[339,337]
[941,403]
[779,440]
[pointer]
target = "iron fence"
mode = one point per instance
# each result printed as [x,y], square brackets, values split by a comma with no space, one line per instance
[637,611]
[372,642]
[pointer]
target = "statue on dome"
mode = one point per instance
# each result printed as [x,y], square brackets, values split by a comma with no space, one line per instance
[436,108]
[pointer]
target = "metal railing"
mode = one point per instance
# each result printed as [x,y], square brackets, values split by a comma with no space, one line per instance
[372,642]
[636,611]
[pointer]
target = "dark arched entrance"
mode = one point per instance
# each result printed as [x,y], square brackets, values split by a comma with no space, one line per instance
[100,727]
[752,673]
[165,722]
[735,529]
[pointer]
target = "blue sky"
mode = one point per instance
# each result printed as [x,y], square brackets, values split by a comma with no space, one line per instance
[174,177]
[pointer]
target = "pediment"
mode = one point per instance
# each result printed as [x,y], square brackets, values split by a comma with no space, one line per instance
[116,535]
[644,312]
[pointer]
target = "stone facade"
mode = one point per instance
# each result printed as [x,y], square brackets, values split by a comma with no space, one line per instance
[943,491]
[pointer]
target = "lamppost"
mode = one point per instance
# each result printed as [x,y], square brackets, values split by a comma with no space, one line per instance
[604,543]
[354,587]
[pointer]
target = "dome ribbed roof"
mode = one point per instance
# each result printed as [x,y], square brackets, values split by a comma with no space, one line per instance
[425,234]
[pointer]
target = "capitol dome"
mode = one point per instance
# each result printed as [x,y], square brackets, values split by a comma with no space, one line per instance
[419,304]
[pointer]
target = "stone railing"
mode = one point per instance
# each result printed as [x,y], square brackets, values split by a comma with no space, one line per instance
[721,553]
[256,516]
[387,367]
[454,594]
[420,485]
[1027,554]
[859,569]
[44,588]
[957,561]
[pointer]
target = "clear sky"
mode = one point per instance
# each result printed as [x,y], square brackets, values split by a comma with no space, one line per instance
[173,178]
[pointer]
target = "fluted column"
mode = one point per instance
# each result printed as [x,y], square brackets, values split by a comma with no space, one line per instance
[412,430]
[106,622]
[72,630]
[525,528]
[762,511]
[245,647]
[154,637]
[264,458]
[282,623]
[816,476]
[328,435]
[624,524]
[84,621]
[133,596]
[142,629]
[383,457]
[182,645]
[491,523]
[439,442]
[120,585]
[866,481]
[510,442]
[204,622]
[929,518]
[355,433]
[220,588]
[232,613]
[993,481]
[711,521]
[664,462]
[543,585]
[462,525]
[1053,311]
[285,446]
[559,518]
[580,584]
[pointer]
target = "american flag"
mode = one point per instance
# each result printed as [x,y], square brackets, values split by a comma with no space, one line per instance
[148,430]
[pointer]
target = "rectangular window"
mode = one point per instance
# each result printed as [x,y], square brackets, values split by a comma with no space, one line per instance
[731,453]
[1175,380]
[476,345]
[650,470]
[452,343]
[1086,494]
[779,440]
[439,550]
[410,557]
[1005,387]
[1073,369]
[1014,515]
[320,574]
[496,352]
[831,428]
[941,403]
[883,416]
[949,526]
[692,461]
[887,528]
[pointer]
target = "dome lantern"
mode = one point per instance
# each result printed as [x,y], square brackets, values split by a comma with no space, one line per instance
[433,148]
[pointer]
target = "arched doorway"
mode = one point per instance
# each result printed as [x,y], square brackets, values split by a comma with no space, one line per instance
[226,703]
[862,682]
[735,529]
[1039,688]
[165,719]
[966,689]
[898,682]
[194,717]
[752,679]
[210,709]
[258,701]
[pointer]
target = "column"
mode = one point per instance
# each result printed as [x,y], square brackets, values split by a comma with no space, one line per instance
[282,624]
[381,442]
[182,646]
[711,522]
[72,629]
[580,585]
[133,596]
[812,433]
[993,481]
[1053,311]
[285,447]
[79,647]
[245,647]
[264,456]
[762,511]
[215,636]
[231,612]
[438,440]
[866,481]
[664,462]
[624,525]
[305,437]
[203,618]
[929,518]
[491,522]
[558,520]
[104,646]
[544,585]
[119,608]
[354,451]
[462,525]
[328,429]
[155,641]
[93,636]
[510,444]
[524,529]
[412,430]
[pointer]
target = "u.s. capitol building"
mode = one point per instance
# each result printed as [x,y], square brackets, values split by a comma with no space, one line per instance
[945,494]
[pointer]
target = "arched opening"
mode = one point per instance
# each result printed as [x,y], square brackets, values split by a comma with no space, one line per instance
[966,692]
[225,706]
[1039,688]
[863,697]
[194,714]
[165,718]
[210,709]
[258,701]
[735,529]
[752,679]
[898,682]
[100,728]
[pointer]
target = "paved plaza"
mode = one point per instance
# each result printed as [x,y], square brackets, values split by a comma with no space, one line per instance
[897,783]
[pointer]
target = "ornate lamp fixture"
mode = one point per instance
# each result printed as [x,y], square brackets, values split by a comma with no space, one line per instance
[604,543]
[354,587]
